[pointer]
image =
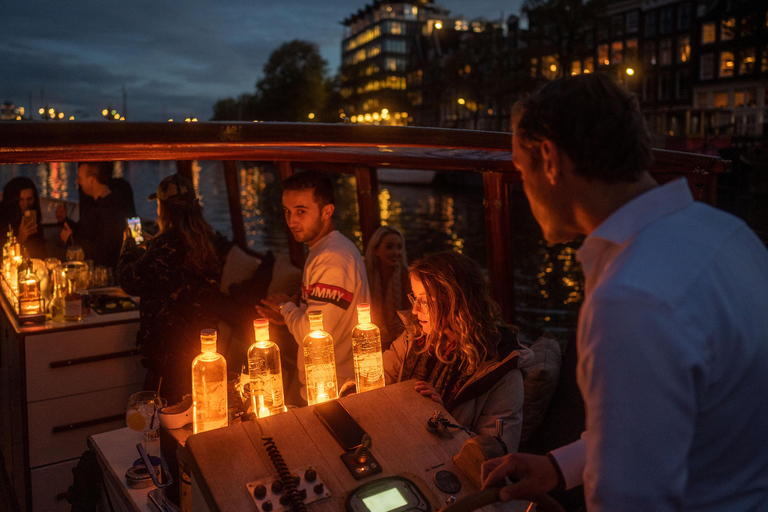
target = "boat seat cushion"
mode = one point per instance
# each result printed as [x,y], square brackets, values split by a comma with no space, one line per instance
[540,379]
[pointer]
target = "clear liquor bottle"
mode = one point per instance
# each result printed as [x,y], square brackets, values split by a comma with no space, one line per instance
[209,385]
[319,362]
[265,372]
[366,352]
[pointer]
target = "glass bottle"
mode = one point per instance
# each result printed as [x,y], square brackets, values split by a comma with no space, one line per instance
[366,351]
[30,302]
[265,372]
[73,302]
[209,385]
[7,254]
[319,362]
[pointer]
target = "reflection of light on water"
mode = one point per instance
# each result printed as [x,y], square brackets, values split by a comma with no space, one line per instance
[196,179]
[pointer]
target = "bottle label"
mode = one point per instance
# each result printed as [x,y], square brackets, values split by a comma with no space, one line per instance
[73,306]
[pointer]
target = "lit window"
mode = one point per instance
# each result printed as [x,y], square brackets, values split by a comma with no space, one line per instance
[617,52]
[721,99]
[576,67]
[602,55]
[728,29]
[738,98]
[549,66]
[630,50]
[589,65]
[708,33]
[684,49]
[726,64]
[747,61]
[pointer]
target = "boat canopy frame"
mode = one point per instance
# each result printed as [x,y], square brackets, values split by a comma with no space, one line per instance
[353,149]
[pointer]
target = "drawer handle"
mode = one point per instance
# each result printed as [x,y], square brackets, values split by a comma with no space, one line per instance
[88,423]
[94,359]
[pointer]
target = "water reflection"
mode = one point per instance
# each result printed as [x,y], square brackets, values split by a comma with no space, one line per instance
[548,280]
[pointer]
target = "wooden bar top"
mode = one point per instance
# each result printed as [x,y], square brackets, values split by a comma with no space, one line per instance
[223,461]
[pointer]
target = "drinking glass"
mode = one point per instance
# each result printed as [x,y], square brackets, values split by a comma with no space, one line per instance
[75,253]
[141,414]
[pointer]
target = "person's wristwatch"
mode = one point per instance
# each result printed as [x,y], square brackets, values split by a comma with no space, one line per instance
[280,306]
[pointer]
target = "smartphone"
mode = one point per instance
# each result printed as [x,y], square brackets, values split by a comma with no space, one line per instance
[134,224]
[343,426]
[30,217]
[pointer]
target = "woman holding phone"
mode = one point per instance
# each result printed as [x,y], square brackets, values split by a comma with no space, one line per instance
[176,275]
[20,209]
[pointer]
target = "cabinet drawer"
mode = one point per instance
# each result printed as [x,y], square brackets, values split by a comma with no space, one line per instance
[50,485]
[70,362]
[59,428]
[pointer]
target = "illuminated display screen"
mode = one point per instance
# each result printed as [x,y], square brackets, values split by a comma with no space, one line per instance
[385,501]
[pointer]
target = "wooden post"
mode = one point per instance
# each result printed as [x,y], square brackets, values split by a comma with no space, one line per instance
[184,168]
[235,208]
[498,243]
[295,249]
[367,201]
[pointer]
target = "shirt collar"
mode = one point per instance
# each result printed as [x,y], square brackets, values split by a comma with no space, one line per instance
[643,210]
[604,243]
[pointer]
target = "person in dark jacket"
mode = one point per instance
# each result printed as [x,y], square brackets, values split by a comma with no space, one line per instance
[102,218]
[176,274]
[20,209]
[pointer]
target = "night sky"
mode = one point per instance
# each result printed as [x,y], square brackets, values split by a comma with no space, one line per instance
[174,58]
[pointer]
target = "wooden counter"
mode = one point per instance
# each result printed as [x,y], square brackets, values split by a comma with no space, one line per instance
[223,461]
[59,383]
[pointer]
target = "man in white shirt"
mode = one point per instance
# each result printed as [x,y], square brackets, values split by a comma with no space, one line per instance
[673,331]
[334,279]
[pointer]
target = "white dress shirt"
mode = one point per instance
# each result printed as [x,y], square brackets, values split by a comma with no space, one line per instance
[673,360]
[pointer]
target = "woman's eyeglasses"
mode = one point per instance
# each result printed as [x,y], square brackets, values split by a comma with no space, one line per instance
[422,304]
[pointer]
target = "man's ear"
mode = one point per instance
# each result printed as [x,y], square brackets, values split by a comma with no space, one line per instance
[327,211]
[551,161]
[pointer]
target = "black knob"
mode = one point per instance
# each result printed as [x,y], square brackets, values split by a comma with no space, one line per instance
[318,488]
[277,486]
[295,478]
[310,475]
[259,491]
[285,499]
[266,506]
[303,494]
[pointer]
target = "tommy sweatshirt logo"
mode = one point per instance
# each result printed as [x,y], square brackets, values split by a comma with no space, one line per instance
[327,293]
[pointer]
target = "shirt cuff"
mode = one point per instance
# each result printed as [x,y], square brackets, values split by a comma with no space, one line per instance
[571,458]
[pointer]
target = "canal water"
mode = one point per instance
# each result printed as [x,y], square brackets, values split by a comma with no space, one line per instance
[447,214]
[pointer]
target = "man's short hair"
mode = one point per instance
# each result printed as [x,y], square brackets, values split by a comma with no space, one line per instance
[319,183]
[597,123]
[102,171]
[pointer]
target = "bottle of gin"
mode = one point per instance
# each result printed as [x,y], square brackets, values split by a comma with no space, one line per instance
[366,351]
[209,386]
[265,372]
[319,362]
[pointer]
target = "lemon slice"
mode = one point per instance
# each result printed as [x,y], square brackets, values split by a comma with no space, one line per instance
[136,421]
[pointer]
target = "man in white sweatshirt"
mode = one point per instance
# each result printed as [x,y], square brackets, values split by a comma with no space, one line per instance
[334,279]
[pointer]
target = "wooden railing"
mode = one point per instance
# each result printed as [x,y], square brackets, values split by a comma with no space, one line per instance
[352,149]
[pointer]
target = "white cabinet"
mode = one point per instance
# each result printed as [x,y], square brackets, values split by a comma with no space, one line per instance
[59,384]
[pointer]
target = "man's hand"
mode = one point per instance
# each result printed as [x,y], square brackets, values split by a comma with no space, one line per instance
[274,300]
[273,317]
[532,474]
[61,212]
[428,391]
[66,233]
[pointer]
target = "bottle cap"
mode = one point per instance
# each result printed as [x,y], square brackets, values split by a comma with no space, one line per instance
[261,329]
[208,340]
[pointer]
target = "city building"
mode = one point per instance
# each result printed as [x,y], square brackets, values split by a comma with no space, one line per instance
[700,68]
[375,52]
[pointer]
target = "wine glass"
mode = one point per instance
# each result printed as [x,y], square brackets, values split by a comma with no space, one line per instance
[142,411]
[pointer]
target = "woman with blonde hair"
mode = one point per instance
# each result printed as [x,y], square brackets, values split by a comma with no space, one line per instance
[387,270]
[457,348]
